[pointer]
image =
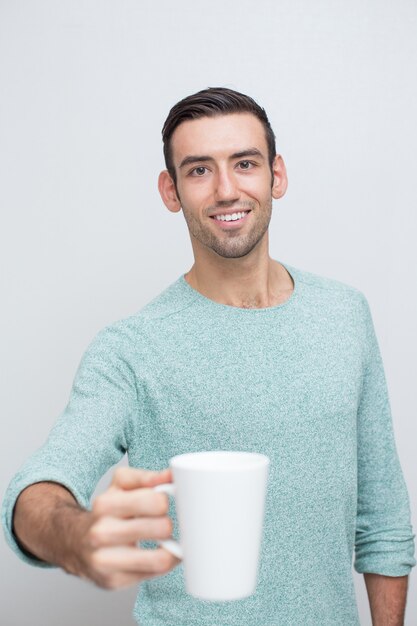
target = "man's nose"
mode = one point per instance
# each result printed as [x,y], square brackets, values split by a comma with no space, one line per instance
[226,187]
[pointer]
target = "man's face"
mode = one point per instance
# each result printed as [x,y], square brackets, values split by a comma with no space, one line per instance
[222,168]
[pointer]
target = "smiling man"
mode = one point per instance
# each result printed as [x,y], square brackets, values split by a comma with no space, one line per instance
[225,180]
[242,352]
[226,186]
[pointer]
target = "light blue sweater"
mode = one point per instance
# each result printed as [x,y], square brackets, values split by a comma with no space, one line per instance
[301,382]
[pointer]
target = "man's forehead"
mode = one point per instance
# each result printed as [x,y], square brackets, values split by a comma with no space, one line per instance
[218,136]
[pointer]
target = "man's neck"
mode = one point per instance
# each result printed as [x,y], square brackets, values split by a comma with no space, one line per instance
[257,286]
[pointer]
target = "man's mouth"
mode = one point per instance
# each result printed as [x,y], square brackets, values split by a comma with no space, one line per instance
[239,216]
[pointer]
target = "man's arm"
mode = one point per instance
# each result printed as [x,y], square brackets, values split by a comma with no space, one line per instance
[99,545]
[384,540]
[387,598]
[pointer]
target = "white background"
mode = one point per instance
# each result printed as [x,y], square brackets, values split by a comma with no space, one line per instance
[85,86]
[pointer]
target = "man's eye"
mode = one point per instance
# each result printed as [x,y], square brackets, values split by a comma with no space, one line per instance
[245,165]
[198,171]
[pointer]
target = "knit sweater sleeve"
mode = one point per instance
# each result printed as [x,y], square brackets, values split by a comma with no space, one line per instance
[89,436]
[384,542]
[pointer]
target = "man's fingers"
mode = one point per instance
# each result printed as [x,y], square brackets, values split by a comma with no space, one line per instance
[133,503]
[134,560]
[119,580]
[133,478]
[110,531]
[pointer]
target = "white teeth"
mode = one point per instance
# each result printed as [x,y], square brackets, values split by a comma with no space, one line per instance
[232,217]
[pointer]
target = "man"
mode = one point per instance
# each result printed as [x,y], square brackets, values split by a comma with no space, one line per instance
[241,353]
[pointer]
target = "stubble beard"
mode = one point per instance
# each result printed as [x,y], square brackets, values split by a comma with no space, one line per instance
[229,244]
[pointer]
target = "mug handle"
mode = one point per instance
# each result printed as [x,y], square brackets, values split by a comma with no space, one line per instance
[169,544]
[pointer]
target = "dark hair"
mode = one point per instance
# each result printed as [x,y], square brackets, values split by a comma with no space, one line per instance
[210,103]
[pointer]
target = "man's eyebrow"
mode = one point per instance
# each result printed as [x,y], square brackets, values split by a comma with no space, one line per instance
[246,153]
[237,155]
[194,159]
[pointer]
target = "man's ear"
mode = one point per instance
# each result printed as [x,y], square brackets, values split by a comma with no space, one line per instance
[280,180]
[168,192]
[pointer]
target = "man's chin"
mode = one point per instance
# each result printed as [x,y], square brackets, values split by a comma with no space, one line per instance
[232,255]
[233,252]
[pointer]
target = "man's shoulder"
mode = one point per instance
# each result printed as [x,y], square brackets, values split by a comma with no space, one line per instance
[170,301]
[123,331]
[321,283]
[318,291]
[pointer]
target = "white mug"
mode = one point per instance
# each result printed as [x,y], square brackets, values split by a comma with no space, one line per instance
[220,503]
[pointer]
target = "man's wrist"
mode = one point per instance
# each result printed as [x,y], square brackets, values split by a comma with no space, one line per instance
[70,523]
[49,524]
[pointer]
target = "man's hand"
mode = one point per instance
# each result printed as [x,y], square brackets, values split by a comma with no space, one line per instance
[128,512]
[99,545]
